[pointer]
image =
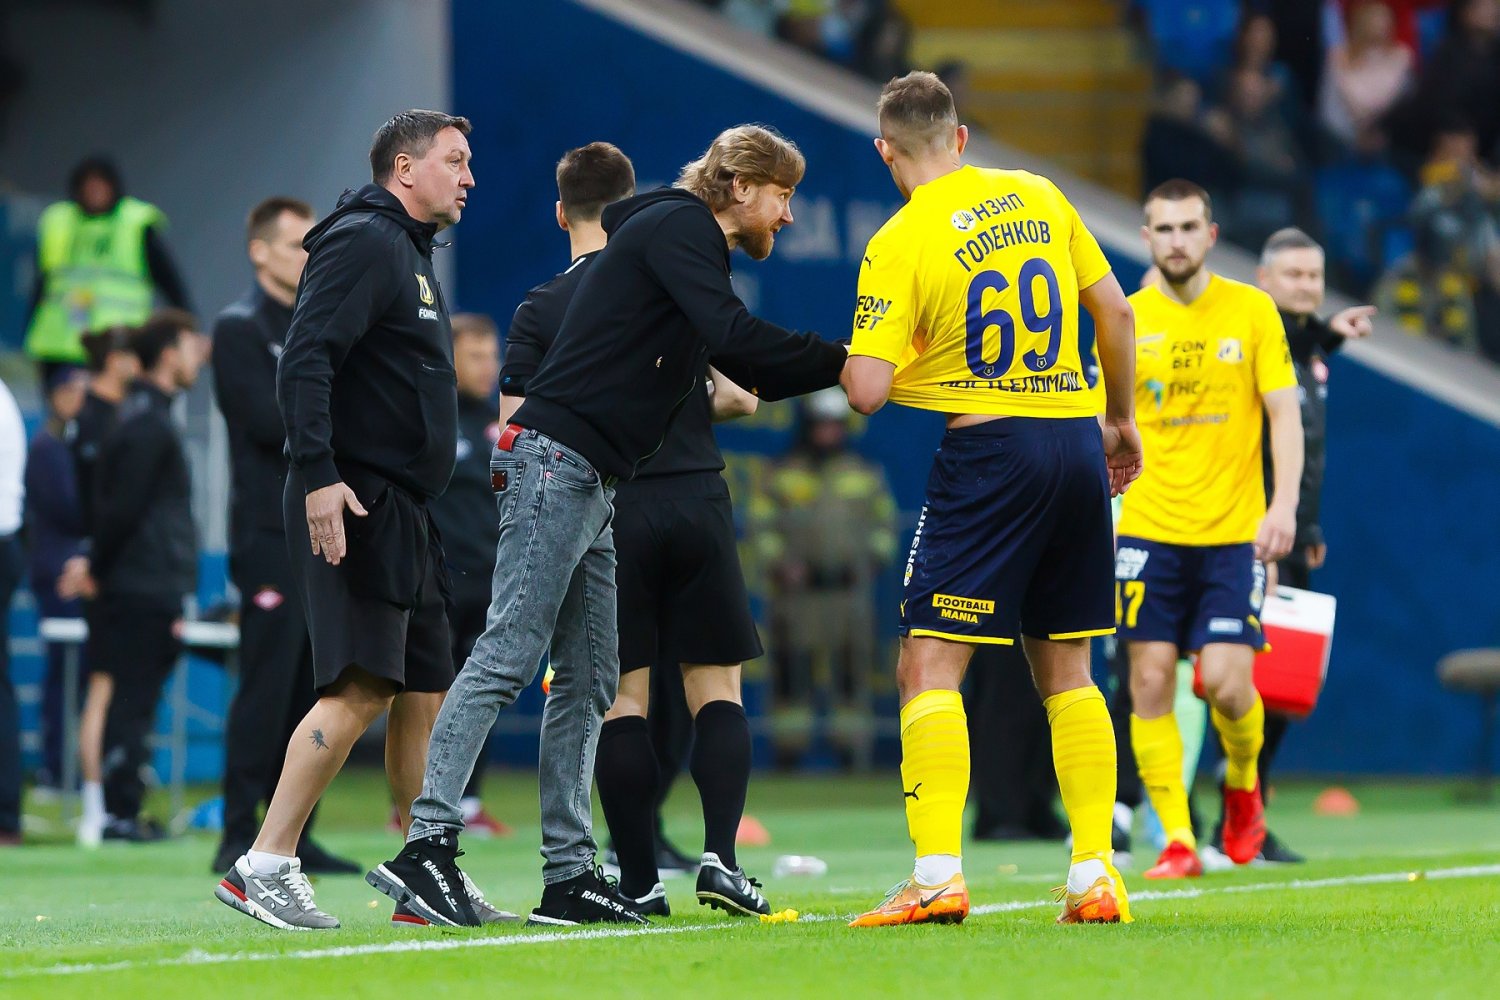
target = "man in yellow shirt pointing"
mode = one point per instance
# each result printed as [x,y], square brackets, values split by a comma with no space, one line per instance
[968,305]
[1196,533]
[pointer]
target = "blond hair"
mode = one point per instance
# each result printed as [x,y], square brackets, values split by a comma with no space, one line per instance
[916,113]
[756,154]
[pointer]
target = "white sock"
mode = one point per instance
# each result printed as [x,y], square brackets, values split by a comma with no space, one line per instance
[471,806]
[1085,873]
[1124,816]
[93,802]
[935,869]
[266,863]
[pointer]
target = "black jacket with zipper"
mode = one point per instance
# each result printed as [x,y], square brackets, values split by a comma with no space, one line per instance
[650,310]
[145,543]
[248,338]
[366,375]
[1311,342]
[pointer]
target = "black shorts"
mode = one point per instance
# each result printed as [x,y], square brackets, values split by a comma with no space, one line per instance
[131,639]
[383,607]
[1014,536]
[682,596]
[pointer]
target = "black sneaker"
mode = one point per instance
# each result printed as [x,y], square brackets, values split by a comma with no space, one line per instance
[731,891]
[653,903]
[590,898]
[426,878]
[318,861]
[1273,851]
[135,831]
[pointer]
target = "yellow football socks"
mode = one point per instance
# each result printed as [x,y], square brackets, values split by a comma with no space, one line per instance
[1083,751]
[1242,739]
[1158,755]
[935,770]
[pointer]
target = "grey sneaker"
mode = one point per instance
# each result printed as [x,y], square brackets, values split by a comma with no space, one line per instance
[283,900]
[483,909]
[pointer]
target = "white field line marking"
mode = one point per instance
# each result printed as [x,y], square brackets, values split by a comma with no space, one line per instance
[552,937]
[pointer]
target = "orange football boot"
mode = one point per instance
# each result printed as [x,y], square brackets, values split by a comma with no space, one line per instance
[1244,824]
[913,903]
[1177,861]
[1104,902]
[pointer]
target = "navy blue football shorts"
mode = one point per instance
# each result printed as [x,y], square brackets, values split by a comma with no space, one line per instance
[1015,535]
[1189,595]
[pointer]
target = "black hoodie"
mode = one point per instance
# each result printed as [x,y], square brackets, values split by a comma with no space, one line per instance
[648,313]
[366,376]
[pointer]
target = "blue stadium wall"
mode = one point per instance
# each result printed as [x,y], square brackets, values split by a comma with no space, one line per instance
[1411,494]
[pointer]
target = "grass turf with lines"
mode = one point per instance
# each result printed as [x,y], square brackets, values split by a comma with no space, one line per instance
[131,921]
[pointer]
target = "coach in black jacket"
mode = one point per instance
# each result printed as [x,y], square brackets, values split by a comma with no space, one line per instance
[276,672]
[144,559]
[371,416]
[650,308]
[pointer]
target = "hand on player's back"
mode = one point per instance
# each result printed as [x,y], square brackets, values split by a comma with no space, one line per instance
[1123,455]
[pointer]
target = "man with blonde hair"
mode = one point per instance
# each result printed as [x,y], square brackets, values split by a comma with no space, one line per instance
[650,310]
[968,305]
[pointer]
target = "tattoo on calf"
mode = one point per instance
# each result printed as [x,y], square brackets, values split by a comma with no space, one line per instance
[318,741]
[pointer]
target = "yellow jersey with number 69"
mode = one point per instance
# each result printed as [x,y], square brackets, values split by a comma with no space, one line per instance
[971,291]
[1200,372]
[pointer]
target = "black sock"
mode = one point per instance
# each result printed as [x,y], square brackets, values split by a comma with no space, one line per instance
[625,770]
[720,765]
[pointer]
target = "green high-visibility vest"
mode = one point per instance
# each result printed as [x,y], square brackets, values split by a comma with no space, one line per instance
[94,275]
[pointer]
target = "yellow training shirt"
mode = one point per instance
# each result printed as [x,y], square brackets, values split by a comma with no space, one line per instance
[971,291]
[1200,373]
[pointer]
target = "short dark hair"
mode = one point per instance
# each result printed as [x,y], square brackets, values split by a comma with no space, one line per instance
[1290,238]
[160,332]
[100,344]
[592,176]
[96,165]
[410,132]
[262,220]
[916,112]
[1178,189]
[473,325]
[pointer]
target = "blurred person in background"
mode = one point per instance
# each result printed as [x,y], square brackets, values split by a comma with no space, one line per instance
[1184,138]
[1461,80]
[824,528]
[276,672]
[1446,287]
[1365,76]
[54,534]
[465,516]
[12,496]
[1015,785]
[114,366]
[1292,273]
[100,263]
[142,565]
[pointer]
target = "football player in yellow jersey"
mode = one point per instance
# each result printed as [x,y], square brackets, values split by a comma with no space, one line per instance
[1196,532]
[968,305]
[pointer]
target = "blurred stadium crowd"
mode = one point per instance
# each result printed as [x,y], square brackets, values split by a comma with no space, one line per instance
[1373,124]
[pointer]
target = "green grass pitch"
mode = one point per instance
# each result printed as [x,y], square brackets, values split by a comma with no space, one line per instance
[1402,900]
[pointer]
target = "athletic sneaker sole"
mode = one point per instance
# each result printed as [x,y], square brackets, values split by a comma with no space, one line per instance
[718,902]
[538,920]
[230,896]
[384,880]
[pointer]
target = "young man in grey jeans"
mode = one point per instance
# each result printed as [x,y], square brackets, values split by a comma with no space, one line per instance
[654,303]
